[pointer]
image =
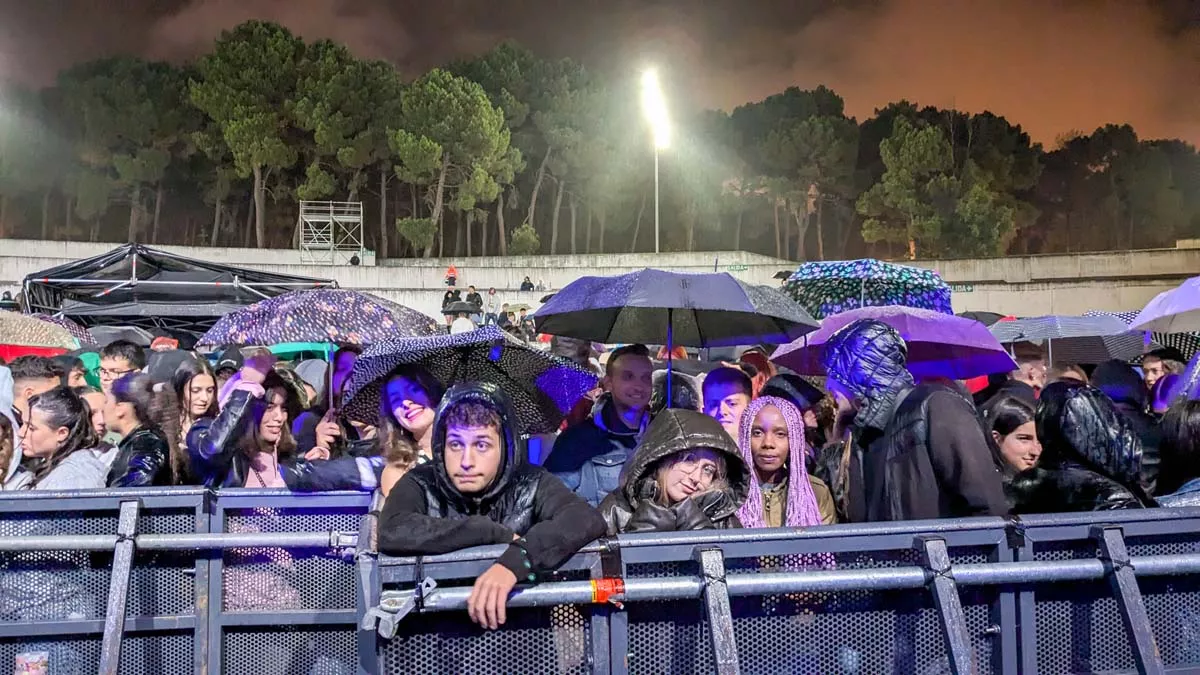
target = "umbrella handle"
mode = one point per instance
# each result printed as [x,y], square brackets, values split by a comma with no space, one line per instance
[670,350]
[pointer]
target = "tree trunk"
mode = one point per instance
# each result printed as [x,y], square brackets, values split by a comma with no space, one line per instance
[135,205]
[537,186]
[778,249]
[820,229]
[467,218]
[500,224]
[437,208]
[4,203]
[691,233]
[801,230]
[46,214]
[94,234]
[787,235]
[382,251]
[158,202]
[260,205]
[558,197]
[251,209]
[216,231]
[637,225]
[587,247]
[601,218]
[69,215]
[574,206]
[458,233]
[737,231]
[483,227]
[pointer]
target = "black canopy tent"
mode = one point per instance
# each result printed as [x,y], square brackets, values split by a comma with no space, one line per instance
[136,285]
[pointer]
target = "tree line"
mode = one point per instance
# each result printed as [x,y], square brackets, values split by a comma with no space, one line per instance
[509,153]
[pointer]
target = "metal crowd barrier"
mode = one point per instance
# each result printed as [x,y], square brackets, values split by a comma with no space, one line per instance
[256,582]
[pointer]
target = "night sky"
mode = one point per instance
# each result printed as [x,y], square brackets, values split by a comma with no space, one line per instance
[1051,65]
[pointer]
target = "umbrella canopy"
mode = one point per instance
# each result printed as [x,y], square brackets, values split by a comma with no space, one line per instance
[105,335]
[1187,343]
[321,315]
[22,330]
[543,387]
[290,351]
[1173,311]
[459,308]
[78,332]
[939,345]
[985,318]
[1075,339]
[655,306]
[828,288]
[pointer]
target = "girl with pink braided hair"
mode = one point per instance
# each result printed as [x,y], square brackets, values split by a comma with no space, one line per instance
[782,493]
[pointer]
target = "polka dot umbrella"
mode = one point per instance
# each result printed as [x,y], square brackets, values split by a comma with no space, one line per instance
[828,288]
[334,315]
[78,332]
[22,330]
[543,387]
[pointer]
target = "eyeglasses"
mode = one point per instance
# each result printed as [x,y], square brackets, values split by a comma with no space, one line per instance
[107,374]
[689,464]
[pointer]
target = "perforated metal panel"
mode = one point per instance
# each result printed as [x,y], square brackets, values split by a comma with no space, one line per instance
[268,578]
[289,651]
[852,632]
[53,585]
[160,654]
[532,642]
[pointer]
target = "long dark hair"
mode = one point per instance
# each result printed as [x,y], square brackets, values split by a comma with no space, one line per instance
[63,408]
[1004,415]
[156,409]
[182,379]
[251,442]
[1180,446]
[395,443]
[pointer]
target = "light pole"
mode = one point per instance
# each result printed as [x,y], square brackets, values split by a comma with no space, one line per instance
[654,106]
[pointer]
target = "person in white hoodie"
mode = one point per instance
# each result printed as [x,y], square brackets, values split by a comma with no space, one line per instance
[59,446]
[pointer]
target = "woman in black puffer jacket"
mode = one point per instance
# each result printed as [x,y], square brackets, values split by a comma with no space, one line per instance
[687,474]
[1091,456]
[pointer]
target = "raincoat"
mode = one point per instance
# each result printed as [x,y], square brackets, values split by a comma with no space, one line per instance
[1091,456]
[1121,383]
[924,452]
[143,459]
[425,514]
[634,507]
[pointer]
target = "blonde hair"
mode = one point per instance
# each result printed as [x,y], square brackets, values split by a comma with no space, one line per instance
[719,482]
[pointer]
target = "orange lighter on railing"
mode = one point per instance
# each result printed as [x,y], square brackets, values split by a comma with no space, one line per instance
[608,589]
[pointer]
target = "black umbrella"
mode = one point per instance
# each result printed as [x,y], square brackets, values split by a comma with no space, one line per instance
[986,318]
[543,387]
[106,335]
[459,308]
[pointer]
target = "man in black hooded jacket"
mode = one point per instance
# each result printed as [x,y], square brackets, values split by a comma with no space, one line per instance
[478,491]
[923,451]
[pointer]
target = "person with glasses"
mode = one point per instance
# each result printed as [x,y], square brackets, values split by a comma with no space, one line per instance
[687,474]
[118,359]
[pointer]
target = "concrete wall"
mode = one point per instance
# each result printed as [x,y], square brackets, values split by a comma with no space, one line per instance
[1022,285]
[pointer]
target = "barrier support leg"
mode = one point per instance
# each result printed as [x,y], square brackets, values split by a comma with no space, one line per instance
[949,605]
[1128,595]
[118,588]
[716,606]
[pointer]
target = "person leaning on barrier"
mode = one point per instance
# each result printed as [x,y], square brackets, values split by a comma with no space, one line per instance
[478,491]
[686,475]
[249,445]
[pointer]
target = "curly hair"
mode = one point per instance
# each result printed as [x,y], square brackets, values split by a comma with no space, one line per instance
[469,414]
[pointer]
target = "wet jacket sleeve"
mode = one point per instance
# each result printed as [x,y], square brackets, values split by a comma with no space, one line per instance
[147,457]
[405,529]
[344,473]
[961,459]
[211,446]
[563,524]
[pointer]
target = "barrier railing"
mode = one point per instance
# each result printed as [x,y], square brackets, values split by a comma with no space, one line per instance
[260,581]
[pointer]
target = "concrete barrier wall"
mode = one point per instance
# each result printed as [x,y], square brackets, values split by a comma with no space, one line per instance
[1021,285]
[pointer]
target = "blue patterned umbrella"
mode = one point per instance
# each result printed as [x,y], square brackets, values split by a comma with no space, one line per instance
[320,315]
[543,387]
[828,288]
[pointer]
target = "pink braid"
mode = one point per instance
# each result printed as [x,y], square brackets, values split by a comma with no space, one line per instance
[802,507]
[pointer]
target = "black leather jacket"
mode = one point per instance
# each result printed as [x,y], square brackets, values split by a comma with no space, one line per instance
[216,462]
[1091,456]
[143,459]
[635,505]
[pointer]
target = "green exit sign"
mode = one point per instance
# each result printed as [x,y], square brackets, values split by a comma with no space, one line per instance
[738,268]
[962,288]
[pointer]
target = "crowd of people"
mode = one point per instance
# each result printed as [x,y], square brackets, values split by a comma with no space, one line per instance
[739,445]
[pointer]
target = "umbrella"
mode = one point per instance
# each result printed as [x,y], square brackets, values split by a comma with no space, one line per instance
[1173,311]
[22,330]
[543,387]
[1075,339]
[105,335]
[78,332]
[985,318]
[827,288]
[459,308]
[290,351]
[161,366]
[1187,343]
[939,345]
[519,306]
[694,310]
[321,315]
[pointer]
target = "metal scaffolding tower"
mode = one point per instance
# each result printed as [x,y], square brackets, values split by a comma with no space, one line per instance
[331,233]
